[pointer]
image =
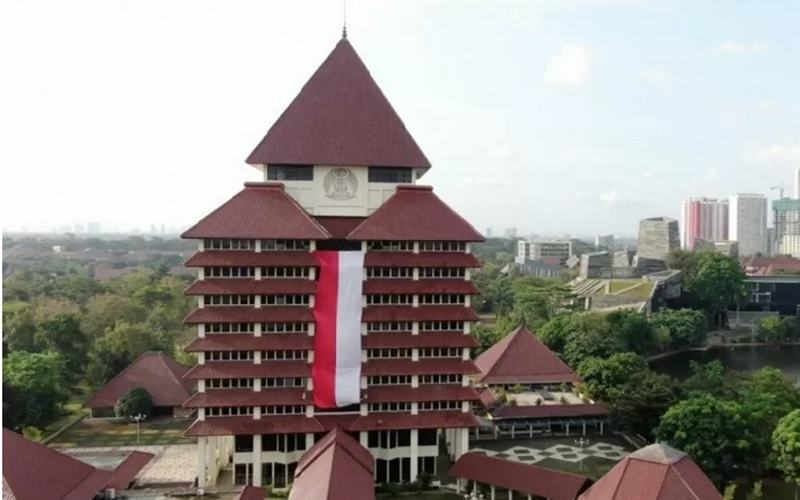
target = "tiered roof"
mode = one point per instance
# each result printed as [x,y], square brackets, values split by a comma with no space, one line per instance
[657,472]
[340,117]
[336,467]
[155,372]
[521,358]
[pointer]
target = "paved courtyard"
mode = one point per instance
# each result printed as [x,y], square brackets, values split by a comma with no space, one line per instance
[172,464]
[568,453]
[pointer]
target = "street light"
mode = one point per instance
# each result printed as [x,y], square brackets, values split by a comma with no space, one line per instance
[138,418]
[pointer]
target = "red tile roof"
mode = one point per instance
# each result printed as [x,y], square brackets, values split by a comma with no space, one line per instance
[246,369]
[415,213]
[155,372]
[249,342]
[425,286]
[228,258]
[244,314]
[421,367]
[428,339]
[421,313]
[248,286]
[260,210]
[423,420]
[521,358]
[520,477]
[337,467]
[125,473]
[770,266]
[339,227]
[268,424]
[248,397]
[423,259]
[551,411]
[252,493]
[33,471]
[427,392]
[656,471]
[340,117]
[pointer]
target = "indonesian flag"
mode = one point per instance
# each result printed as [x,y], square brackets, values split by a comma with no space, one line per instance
[336,370]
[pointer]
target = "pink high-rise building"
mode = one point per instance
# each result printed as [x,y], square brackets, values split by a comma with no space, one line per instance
[703,218]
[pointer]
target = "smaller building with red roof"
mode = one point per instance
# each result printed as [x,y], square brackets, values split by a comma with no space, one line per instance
[657,472]
[155,372]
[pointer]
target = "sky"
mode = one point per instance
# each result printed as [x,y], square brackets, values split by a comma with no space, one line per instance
[556,117]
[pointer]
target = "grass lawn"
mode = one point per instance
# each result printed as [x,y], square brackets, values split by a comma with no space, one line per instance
[73,411]
[617,285]
[91,433]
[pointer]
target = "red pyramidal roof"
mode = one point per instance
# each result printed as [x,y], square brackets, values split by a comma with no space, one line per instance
[415,213]
[657,472]
[340,117]
[155,372]
[260,210]
[521,358]
[337,467]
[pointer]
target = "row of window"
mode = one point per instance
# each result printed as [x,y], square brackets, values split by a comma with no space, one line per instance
[447,378]
[299,327]
[283,355]
[394,175]
[266,245]
[236,411]
[428,352]
[247,383]
[250,272]
[250,300]
[424,246]
[406,299]
[392,407]
[271,442]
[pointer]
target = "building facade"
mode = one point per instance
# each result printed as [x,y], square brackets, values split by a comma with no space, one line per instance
[339,170]
[704,218]
[658,236]
[786,239]
[538,250]
[748,222]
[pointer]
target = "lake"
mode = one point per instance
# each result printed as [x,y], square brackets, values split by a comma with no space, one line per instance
[741,358]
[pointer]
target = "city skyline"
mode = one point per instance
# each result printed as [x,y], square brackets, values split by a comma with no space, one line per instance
[595,122]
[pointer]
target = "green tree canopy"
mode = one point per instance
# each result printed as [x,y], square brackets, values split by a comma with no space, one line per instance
[603,378]
[135,402]
[719,281]
[63,335]
[632,330]
[686,327]
[786,444]
[36,386]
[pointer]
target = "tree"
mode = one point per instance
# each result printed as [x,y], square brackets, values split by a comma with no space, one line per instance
[486,337]
[120,346]
[641,401]
[773,329]
[104,310]
[63,335]
[686,327]
[537,300]
[134,402]
[555,332]
[767,396]
[712,378]
[632,330]
[36,386]
[786,444]
[719,282]
[604,377]
[716,433]
[19,326]
[593,343]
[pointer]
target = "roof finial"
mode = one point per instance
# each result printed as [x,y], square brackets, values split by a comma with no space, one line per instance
[344,18]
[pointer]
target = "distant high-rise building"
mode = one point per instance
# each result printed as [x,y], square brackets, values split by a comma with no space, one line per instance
[786,237]
[658,236]
[705,218]
[606,241]
[797,182]
[748,222]
[511,232]
[488,232]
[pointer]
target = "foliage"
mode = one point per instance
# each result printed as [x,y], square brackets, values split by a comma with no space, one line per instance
[712,378]
[486,336]
[63,335]
[555,332]
[120,346]
[135,402]
[719,281]
[686,327]
[778,329]
[592,343]
[757,493]
[632,330]
[537,300]
[730,492]
[715,432]
[642,401]
[786,444]
[105,310]
[34,387]
[604,377]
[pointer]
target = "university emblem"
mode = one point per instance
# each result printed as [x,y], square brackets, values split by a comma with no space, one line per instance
[340,184]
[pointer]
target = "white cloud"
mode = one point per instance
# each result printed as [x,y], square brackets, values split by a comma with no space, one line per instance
[776,153]
[655,75]
[569,66]
[609,197]
[731,47]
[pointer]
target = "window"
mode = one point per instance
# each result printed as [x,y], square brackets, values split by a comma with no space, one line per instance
[398,175]
[389,439]
[439,405]
[283,355]
[284,300]
[389,380]
[284,272]
[441,272]
[283,410]
[283,442]
[440,326]
[229,411]
[449,378]
[283,382]
[281,245]
[389,407]
[440,352]
[229,328]
[388,353]
[390,246]
[389,300]
[442,246]
[218,244]
[243,442]
[390,272]
[427,437]
[228,300]
[229,383]
[442,298]
[284,327]
[229,356]
[389,326]
[290,172]
[228,272]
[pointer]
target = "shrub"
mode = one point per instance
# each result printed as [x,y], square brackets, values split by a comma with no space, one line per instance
[135,402]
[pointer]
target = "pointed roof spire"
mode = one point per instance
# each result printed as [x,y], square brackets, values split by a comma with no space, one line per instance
[344,18]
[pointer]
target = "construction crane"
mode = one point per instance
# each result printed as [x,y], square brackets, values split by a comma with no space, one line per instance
[780,188]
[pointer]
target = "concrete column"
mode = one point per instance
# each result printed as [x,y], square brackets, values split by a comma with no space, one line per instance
[601,428]
[257,329]
[257,479]
[510,494]
[201,330]
[414,455]
[201,464]
[363,438]
[584,427]
[464,436]
[309,440]
[493,493]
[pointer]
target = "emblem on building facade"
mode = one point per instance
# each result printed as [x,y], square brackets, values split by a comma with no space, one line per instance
[340,184]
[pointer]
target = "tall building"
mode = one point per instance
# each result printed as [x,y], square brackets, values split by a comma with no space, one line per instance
[705,218]
[786,239]
[335,293]
[748,222]
[538,250]
[606,241]
[658,236]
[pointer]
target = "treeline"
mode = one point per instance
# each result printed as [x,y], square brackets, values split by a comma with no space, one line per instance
[63,331]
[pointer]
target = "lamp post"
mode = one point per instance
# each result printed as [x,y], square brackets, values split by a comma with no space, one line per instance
[138,418]
[581,443]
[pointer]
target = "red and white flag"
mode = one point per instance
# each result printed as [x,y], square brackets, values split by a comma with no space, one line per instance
[336,370]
